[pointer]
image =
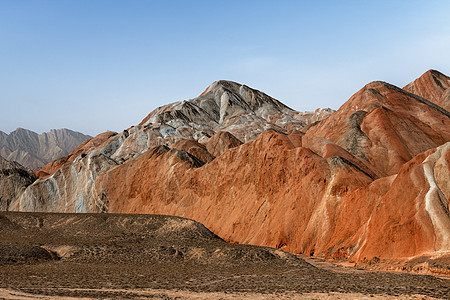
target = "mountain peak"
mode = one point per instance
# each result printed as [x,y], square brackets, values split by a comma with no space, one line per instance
[434,72]
[433,86]
[232,86]
[244,163]
[226,105]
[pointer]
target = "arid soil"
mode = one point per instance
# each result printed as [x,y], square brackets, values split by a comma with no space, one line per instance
[118,256]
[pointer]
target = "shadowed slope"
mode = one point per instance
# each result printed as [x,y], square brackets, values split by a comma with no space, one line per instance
[12,183]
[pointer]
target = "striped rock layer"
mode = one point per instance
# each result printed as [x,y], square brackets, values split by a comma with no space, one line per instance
[369,180]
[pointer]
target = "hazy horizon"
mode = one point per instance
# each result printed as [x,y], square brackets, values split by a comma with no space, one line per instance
[92,66]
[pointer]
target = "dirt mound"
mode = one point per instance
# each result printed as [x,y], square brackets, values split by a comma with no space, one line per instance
[25,254]
[122,256]
[6,226]
[114,238]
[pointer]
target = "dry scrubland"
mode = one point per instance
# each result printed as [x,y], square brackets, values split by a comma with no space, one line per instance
[153,256]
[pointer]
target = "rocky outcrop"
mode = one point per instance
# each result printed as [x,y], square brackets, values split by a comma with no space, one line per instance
[385,126]
[14,178]
[222,117]
[34,150]
[87,146]
[5,164]
[220,142]
[414,211]
[228,106]
[195,149]
[12,183]
[69,189]
[433,86]
[368,182]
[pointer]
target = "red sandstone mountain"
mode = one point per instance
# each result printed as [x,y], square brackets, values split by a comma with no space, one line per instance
[385,126]
[371,180]
[433,86]
[82,149]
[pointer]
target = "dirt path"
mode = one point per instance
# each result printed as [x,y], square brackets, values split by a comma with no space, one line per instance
[340,267]
[168,294]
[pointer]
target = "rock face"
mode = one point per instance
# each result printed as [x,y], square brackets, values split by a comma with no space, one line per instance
[368,182]
[5,164]
[85,147]
[34,150]
[228,106]
[12,183]
[433,86]
[386,126]
[14,178]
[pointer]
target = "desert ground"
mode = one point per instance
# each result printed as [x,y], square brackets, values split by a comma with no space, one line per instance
[119,256]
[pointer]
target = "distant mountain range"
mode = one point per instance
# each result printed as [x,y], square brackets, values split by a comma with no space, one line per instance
[33,150]
[6,164]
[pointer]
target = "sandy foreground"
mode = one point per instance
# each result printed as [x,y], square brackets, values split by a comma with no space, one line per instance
[73,256]
[167,294]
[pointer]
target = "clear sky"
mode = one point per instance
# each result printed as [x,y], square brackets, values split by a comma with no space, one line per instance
[96,65]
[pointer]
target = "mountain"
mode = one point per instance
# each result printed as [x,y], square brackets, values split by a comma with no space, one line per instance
[236,111]
[228,106]
[34,150]
[385,126]
[368,183]
[433,86]
[5,164]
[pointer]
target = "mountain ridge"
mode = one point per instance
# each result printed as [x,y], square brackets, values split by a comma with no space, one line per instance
[255,172]
[434,86]
[34,150]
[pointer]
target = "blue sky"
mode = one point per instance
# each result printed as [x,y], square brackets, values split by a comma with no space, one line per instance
[96,65]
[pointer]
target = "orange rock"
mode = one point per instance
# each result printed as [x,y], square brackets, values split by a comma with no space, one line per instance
[194,148]
[369,182]
[246,195]
[433,86]
[222,141]
[385,126]
[412,218]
